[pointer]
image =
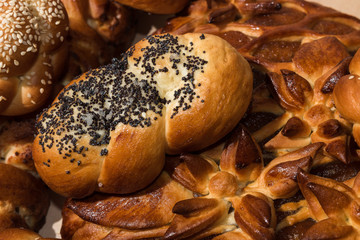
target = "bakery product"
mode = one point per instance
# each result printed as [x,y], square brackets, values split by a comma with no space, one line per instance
[24,199]
[205,202]
[136,211]
[99,31]
[109,129]
[346,96]
[303,48]
[16,138]
[290,171]
[34,52]
[20,233]
[158,6]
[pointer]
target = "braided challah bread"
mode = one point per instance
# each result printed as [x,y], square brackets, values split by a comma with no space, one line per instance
[109,129]
[158,6]
[33,53]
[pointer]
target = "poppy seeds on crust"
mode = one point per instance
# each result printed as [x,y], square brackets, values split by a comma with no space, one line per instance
[113,95]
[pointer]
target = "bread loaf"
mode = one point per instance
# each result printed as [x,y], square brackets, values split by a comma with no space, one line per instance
[34,50]
[109,129]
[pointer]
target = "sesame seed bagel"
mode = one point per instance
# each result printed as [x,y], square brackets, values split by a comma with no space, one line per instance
[33,50]
[109,130]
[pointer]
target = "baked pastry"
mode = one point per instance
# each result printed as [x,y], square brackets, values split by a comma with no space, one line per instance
[302,47]
[159,6]
[290,170]
[205,201]
[346,97]
[99,31]
[24,199]
[20,233]
[16,138]
[109,129]
[33,53]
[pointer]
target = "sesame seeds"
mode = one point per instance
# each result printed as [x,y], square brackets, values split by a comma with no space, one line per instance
[25,25]
[119,93]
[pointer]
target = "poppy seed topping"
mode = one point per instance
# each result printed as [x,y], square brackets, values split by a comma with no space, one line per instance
[124,92]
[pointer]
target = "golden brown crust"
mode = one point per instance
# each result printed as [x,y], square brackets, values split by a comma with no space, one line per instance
[272,192]
[346,92]
[30,60]
[159,6]
[181,94]
[142,212]
[19,233]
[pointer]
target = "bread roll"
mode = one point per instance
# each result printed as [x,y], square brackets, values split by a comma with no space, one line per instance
[109,129]
[346,92]
[19,233]
[159,6]
[346,96]
[33,53]
[16,138]
[24,200]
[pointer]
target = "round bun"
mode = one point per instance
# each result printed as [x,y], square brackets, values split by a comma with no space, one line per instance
[16,138]
[346,97]
[33,51]
[109,129]
[20,233]
[158,6]
[346,92]
[99,31]
[24,199]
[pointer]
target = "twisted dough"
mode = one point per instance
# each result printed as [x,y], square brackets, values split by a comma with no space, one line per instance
[32,36]
[109,129]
